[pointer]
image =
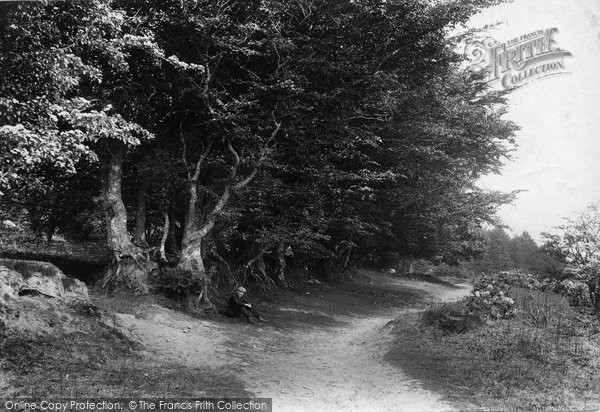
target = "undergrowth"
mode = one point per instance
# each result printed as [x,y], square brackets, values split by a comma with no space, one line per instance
[545,356]
[100,362]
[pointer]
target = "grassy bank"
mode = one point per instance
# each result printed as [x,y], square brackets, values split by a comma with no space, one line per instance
[98,361]
[544,358]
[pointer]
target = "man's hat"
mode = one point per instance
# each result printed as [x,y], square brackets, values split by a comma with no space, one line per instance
[241,289]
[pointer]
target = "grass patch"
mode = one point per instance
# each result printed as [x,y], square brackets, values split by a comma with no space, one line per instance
[546,357]
[451,317]
[431,279]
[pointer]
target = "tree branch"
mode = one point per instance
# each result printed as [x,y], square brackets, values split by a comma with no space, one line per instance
[203,156]
[184,154]
[236,160]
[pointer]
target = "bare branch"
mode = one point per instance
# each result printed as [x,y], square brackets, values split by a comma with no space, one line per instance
[230,189]
[203,156]
[236,160]
[207,80]
[247,180]
[184,154]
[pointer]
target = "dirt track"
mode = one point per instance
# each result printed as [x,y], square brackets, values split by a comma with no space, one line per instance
[336,365]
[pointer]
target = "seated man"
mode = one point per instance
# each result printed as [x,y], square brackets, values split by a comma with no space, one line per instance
[239,306]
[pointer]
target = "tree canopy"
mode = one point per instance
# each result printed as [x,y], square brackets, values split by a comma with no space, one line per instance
[256,135]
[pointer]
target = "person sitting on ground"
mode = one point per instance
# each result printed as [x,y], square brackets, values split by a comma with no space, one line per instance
[239,306]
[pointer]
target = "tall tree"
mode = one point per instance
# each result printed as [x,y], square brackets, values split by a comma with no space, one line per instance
[497,255]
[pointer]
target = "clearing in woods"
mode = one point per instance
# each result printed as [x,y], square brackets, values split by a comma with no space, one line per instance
[322,349]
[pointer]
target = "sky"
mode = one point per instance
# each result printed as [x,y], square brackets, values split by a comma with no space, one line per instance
[557,163]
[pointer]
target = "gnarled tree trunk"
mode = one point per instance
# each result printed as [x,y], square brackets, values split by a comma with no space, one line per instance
[129,266]
[117,235]
[194,232]
[191,259]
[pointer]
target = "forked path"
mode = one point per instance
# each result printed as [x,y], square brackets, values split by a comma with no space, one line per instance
[336,367]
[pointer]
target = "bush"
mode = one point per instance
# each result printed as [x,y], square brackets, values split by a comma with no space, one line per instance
[489,299]
[577,292]
[451,318]
[506,364]
[179,282]
[527,281]
[574,287]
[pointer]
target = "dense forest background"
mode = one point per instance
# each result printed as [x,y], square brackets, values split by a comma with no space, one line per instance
[236,141]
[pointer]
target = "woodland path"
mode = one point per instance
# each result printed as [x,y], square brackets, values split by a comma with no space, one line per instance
[335,364]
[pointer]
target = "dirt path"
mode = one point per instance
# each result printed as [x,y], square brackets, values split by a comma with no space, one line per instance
[334,367]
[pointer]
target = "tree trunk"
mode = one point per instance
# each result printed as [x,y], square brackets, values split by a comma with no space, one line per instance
[163,240]
[282,264]
[403,266]
[128,266]
[346,261]
[140,217]
[174,245]
[191,261]
[116,216]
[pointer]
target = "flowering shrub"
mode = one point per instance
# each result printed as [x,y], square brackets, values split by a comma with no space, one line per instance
[527,281]
[577,292]
[575,287]
[489,299]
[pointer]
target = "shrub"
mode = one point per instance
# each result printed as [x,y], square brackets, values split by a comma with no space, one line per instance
[489,299]
[527,281]
[574,288]
[180,282]
[577,292]
[451,318]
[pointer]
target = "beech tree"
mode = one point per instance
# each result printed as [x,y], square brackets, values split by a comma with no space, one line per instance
[260,136]
[72,60]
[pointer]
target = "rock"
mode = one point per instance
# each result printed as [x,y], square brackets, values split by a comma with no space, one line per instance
[11,283]
[38,299]
[42,277]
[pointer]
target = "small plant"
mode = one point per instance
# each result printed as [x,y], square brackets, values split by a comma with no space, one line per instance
[87,309]
[451,318]
[180,282]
